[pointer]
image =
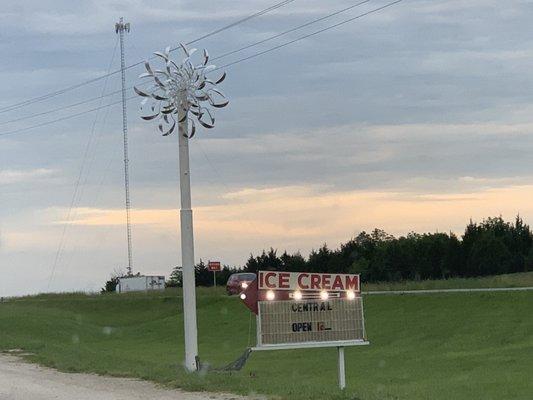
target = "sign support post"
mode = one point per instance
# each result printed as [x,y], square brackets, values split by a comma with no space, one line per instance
[342,371]
[187,244]
[214,266]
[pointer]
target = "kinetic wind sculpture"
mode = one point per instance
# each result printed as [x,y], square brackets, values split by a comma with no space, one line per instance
[177,92]
[179,89]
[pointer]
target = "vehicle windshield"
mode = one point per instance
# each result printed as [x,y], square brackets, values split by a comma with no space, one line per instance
[246,277]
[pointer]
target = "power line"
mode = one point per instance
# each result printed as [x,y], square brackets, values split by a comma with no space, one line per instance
[291,30]
[20,130]
[75,196]
[62,108]
[53,94]
[215,58]
[257,14]
[98,78]
[102,178]
[308,35]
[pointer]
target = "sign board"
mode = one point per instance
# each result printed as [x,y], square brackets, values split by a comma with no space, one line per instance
[297,308]
[214,266]
[305,309]
[295,322]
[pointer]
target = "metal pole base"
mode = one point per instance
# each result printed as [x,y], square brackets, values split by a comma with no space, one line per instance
[342,372]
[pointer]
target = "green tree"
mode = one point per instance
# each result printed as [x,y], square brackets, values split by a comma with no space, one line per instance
[176,278]
[488,256]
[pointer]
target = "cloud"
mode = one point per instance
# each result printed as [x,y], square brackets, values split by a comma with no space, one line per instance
[301,214]
[10,176]
[49,17]
[414,118]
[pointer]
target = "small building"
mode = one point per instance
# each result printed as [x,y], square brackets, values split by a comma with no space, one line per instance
[140,283]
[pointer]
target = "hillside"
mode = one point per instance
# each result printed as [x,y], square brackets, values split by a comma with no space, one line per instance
[440,346]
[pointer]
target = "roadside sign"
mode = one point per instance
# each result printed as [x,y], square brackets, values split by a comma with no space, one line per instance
[304,310]
[214,266]
[301,322]
[308,283]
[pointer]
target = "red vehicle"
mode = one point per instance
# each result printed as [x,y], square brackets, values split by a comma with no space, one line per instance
[238,282]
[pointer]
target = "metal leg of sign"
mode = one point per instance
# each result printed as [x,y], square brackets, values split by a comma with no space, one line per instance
[258,330]
[342,372]
[215,278]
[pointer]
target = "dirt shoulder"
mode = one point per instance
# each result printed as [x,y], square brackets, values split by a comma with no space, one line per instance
[24,381]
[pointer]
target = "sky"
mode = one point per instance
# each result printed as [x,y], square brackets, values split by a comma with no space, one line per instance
[415,118]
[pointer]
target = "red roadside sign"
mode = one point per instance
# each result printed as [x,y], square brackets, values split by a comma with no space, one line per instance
[297,310]
[290,286]
[214,266]
[306,281]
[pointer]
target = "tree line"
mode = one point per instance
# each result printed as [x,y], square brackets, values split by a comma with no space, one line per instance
[203,276]
[491,247]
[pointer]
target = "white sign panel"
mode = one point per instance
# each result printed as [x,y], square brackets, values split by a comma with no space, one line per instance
[297,322]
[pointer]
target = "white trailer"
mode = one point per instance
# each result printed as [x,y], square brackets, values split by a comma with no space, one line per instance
[140,283]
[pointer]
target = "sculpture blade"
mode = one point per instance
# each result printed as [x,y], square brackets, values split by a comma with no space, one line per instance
[148,68]
[193,129]
[221,79]
[140,92]
[149,117]
[184,49]
[170,130]
[220,105]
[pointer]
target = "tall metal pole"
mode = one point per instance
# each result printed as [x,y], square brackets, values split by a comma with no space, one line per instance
[120,27]
[187,245]
[184,87]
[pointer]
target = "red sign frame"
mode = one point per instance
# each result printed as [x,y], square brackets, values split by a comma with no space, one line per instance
[214,266]
[299,286]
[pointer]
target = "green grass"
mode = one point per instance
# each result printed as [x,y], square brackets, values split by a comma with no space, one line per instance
[524,279]
[440,346]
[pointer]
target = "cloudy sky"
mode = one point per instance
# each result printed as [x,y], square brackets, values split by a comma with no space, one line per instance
[414,118]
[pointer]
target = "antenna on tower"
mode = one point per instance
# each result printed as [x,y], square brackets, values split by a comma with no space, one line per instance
[120,28]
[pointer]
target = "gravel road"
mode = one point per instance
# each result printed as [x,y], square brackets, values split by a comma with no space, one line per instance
[23,381]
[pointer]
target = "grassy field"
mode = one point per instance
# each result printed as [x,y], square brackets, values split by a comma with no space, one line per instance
[524,279]
[439,346]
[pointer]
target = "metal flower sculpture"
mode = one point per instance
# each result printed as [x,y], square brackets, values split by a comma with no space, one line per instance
[178,89]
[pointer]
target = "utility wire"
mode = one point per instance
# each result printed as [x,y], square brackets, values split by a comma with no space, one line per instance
[75,196]
[308,35]
[20,130]
[215,58]
[104,175]
[62,108]
[98,78]
[257,14]
[291,30]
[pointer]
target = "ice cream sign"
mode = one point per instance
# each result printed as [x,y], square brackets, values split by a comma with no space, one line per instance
[305,310]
